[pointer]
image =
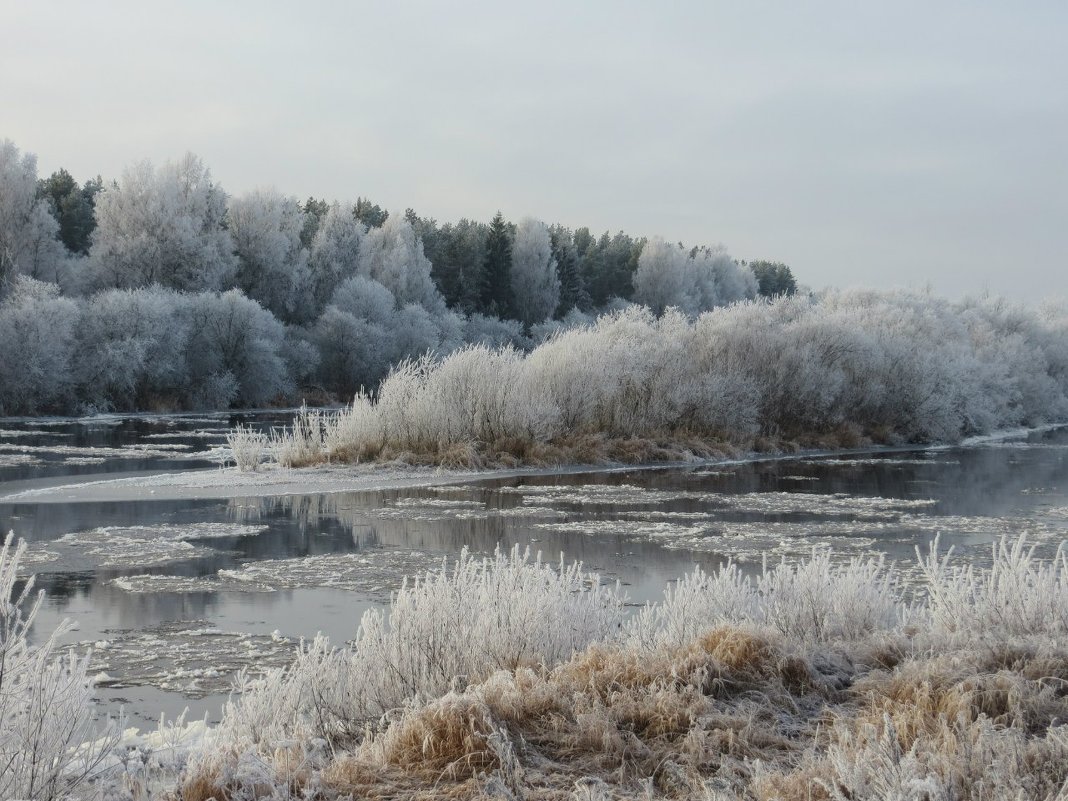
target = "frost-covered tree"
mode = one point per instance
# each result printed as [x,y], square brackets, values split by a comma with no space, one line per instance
[363,333]
[664,278]
[37,342]
[720,279]
[131,350]
[393,255]
[693,282]
[535,283]
[163,226]
[28,231]
[272,264]
[335,252]
[235,353]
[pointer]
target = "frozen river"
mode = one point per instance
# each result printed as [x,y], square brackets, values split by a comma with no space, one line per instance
[177,595]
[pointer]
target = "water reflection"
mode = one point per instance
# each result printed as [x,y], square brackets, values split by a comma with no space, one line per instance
[643,528]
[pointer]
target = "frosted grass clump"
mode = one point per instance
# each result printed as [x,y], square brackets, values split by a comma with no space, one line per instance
[49,742]
[814,675]
[247,446]
[817,600]
[459,623]
[302,444]
[1018,595]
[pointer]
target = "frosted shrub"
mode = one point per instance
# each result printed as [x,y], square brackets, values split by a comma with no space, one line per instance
[815,600]
[821,600]
[458,624]
[49,744]
[1018,595]
[247,447]
[892,365]
[697,602]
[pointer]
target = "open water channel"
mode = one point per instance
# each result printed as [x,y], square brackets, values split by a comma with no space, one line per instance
[175,596]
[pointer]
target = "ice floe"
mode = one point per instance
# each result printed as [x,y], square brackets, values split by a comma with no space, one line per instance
[375,573]
[131,546]
[193,658]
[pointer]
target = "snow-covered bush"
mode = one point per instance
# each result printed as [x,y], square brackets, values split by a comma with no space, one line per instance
[462,622]
[893,365]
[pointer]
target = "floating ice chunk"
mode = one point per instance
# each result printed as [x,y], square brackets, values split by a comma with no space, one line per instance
[17,459]
[193,658]
[376,573]
[7,433]
[135,546]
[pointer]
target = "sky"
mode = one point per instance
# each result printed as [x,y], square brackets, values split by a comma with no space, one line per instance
[909,144]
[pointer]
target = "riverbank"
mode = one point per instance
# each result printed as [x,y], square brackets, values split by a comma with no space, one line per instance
[274,480]
[811,681]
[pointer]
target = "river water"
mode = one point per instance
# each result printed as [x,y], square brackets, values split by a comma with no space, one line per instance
[174,597]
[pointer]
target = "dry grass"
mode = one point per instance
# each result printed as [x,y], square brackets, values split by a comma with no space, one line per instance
[730,715]
[202,785]
[449,738]
[739,711]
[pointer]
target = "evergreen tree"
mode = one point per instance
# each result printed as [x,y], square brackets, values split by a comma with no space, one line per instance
[774,277]
[370,214]
[572,289]
[496,294]
[314,210]
[72,206]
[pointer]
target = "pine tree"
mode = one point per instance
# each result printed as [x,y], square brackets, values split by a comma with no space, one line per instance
[496,294]
[314,210]
[572,288]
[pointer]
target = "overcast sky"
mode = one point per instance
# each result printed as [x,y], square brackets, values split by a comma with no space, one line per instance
[904,145]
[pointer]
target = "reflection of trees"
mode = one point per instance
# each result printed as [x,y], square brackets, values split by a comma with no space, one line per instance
[645,565]
[987,481]
[62,587]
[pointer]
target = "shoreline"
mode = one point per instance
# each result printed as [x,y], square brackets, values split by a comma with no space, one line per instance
[229,482]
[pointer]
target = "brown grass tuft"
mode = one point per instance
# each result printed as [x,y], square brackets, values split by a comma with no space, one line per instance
[202,785]
[449,737]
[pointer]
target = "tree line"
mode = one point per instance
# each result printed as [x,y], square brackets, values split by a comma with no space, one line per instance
[340,290]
